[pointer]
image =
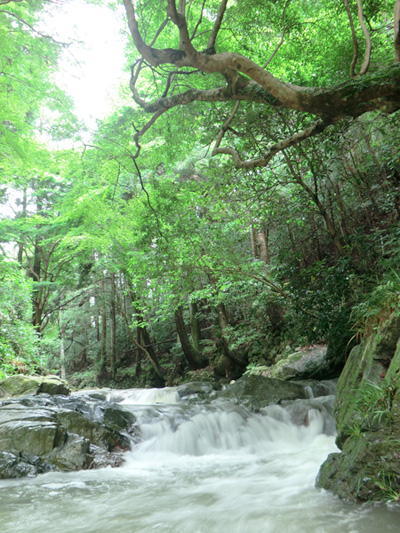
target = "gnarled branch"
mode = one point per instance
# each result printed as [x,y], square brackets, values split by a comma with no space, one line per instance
[248,81]
[263,161]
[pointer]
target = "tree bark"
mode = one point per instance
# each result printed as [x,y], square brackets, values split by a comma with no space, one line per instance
[193,357]
[113,318]
[246,80]
[195,326]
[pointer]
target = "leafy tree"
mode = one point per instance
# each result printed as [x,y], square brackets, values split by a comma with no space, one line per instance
[212,41]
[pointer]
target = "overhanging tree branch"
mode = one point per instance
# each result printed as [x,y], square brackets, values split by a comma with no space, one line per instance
[248,81]
[263,161]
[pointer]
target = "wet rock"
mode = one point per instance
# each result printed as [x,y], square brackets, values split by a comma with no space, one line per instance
[21,385]
[73,454]
[368,420]
[300,412]
[195,389]
[25,430]
[45,432]
[13,466]
[318,388]
[260,391]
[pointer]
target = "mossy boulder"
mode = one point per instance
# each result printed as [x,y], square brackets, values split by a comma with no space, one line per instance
[368,421]
[21,385]
[260,391]
[304,363]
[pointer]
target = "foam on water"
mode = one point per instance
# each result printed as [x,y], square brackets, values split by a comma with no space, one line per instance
[198,469]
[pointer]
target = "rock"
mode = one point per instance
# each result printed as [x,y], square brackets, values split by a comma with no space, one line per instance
[74,454]
[20,385]
[195,389]
[299,411]
[368,421]
[305,363]
[12,466]
[117,418]
[316,388]
[260,391]
[44,432]
[26,430]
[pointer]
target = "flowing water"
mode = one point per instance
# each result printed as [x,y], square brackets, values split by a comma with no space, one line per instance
[214,468]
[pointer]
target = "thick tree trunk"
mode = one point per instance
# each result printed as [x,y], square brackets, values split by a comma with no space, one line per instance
[195,326]
[193,356]
[234,364]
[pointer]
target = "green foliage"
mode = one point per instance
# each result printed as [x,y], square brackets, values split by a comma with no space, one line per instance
[375,401]
[383,301]
[18,342]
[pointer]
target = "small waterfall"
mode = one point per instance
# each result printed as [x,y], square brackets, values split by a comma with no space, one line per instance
[211,431]
[167,395]
[201,466]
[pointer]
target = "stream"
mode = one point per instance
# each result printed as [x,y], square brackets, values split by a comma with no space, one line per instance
[200,467]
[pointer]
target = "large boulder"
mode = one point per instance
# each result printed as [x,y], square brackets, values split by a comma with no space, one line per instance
[304,363]
[368,421]
[44,432]
[260,391]
[21,385]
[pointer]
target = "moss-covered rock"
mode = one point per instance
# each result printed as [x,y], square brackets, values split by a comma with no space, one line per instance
[260,391]
[368,421]
[305,363]
[21,385]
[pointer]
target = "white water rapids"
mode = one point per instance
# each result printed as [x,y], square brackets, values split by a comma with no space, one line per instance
[199,468]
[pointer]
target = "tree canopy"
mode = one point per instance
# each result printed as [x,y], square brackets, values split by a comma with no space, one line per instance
[273,54]
[139,257]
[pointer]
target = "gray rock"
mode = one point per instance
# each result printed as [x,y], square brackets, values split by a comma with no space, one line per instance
[44,432]
[368,420]
[305,363]
[260,391]
[21,385]
[195,389]
[13,466]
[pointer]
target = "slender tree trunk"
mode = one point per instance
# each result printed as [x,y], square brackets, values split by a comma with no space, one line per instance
[37,310]
[62,346]
[113,317]
[234,365]
[142,340]
[102,371]
[22,215]
[262,239]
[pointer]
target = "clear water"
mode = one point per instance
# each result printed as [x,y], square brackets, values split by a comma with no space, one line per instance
[214,469]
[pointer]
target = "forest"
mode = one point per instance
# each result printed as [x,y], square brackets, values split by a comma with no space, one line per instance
[241,202]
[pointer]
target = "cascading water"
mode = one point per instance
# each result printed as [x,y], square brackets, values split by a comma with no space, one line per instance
[214,468]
